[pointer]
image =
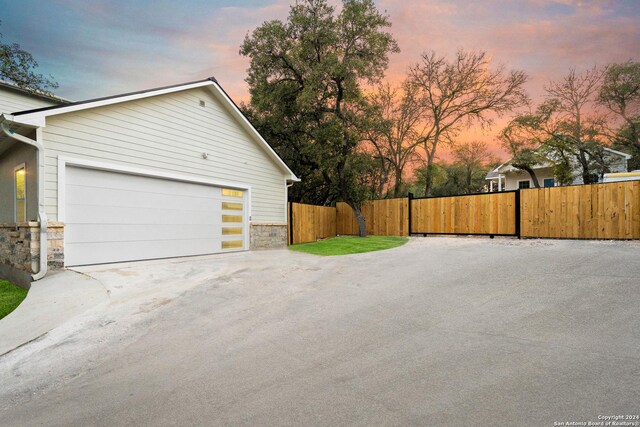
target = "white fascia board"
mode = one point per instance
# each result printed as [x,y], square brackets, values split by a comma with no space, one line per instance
[40,116]
[503,167]
[222,96]
[36,122]
[8,118]
[620,153]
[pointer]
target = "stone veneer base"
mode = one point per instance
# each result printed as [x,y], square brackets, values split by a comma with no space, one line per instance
[268,236]
[20,249]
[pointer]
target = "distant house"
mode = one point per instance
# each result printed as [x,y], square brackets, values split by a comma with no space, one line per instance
[506,177]
[14,98]
[165,172]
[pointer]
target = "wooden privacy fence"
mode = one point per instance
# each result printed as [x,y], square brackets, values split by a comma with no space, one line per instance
[487,213]
[597,211]
[387,217]
[308,223]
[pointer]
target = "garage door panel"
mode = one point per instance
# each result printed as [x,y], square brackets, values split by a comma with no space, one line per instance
[104,179]
[114,197]
[113,217]
[105,252]
[79,214]
[88,233]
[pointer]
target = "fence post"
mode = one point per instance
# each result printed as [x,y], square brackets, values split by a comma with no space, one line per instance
[291,223]
[517,205]
[410,197]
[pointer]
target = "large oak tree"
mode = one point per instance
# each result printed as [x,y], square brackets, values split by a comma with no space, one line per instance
[305,79]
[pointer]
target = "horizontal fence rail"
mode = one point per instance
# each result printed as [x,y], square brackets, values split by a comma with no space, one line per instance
[595,211]
[487,213]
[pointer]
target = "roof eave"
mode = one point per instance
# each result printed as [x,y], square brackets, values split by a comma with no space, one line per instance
[38,117]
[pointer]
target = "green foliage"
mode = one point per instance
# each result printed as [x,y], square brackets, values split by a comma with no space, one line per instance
[17,66]
[10,297]
[451,179]
[620,93]
[305,83]
[345,245]
[620,90]
[563,172]
[565,130]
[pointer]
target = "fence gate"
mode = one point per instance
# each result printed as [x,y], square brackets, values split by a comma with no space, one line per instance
[494,214]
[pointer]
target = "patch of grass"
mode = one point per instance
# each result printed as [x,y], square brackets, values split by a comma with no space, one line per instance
[344,245]
[10,297]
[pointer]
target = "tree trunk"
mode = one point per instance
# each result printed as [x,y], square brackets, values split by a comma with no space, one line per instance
[428,177]
[534,178]
[397,187]
[531,173]
[586,172]
[431,156]
[362,225]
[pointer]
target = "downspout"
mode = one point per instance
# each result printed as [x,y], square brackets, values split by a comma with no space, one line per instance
[288,213]
[42,216]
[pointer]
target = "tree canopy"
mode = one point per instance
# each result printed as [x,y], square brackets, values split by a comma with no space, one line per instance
[305,79]
[461,92]
[18,66]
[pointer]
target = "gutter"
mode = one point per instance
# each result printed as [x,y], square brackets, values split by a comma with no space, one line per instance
[42,216]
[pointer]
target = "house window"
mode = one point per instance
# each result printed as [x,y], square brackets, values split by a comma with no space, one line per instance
[21,194]
[549,182]
[524,184]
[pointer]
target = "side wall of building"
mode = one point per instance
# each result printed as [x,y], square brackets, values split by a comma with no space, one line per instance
[16,155]
[170,133]
[513,178]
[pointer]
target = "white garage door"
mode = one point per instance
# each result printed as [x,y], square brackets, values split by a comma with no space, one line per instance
[112,217]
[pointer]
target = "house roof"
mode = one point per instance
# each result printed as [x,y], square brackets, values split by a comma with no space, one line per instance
[37,117]
[620,153]
[506,166]
[35,94]
[493,174]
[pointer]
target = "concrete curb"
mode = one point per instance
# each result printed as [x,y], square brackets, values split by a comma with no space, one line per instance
[52,301]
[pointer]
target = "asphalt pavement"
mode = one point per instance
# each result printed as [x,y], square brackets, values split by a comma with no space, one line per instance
[441,331]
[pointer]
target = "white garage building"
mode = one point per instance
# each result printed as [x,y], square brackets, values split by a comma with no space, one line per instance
[167,172]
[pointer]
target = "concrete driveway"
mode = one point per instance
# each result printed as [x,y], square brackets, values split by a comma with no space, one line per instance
[441,331]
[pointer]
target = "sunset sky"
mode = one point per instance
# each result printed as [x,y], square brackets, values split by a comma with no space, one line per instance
[104,47]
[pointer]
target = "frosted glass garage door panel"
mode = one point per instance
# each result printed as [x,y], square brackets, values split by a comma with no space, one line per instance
[113,217]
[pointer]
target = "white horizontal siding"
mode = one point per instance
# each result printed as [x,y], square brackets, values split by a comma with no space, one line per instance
[12,101]
[512,178]
[168,133]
